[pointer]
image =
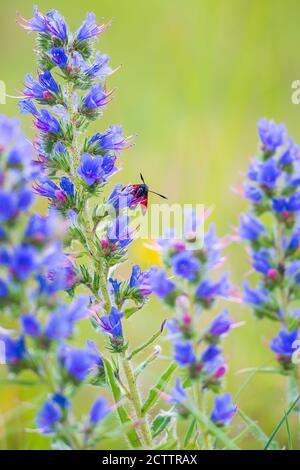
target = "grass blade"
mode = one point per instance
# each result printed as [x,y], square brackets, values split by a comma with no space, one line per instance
[283,419]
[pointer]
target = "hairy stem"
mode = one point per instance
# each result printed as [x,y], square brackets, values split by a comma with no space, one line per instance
[145,434]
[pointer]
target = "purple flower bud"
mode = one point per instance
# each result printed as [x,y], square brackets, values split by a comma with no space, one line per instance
[220,325]
[99,410]
[59,56]
[30,325]
[47,417]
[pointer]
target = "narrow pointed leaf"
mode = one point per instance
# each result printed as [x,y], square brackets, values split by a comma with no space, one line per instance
[160,386]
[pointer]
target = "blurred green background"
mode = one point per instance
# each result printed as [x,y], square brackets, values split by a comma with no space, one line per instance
[196,76]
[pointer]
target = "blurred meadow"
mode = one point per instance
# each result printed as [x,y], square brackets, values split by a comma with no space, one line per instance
[196,75]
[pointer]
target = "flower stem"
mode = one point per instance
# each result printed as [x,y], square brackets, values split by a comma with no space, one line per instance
[145,434]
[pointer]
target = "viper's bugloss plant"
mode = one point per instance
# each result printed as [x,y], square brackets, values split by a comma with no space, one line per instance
[34,272]
[189,286]
[68,94]
[272,232]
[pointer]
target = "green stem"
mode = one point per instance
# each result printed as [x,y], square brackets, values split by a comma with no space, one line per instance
[145,434]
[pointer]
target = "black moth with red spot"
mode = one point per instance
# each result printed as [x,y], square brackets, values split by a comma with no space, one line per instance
[140,194]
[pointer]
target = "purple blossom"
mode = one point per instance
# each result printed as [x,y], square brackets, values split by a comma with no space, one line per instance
[39,228]
[160,284]
[42,90]
[28,107]
[284,343]
[211,352]
[268,173]
[90,169]
[120,197]
[251,228]
[177,394]
[140,280]
[89,28]
[223,410]
[257,297]
[271,135]
[207,291]
[56,25]
[67,186]
[185,265]
[60,324]
[111,324]
[78,363]
[23,261]
[119,231]
[184,354]
[47,188]
[3,289]
[8,206]
[15,349]
[47,123]
[262,261]
[38,23]
[96,98]
[112,140]
[99,68]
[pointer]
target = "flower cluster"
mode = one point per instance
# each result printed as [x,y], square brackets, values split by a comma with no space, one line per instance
[33,271]
[190,291]
[272,231]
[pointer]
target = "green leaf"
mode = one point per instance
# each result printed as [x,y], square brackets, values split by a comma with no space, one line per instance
[122,413]
[290,441]
[148,342]
[170,444]
[160,386]
[283,419]
[189,433]
[256,430]
[159,424]
[130,311]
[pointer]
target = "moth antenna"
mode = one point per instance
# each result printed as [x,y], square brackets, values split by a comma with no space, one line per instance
[157,194]
[142,178]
